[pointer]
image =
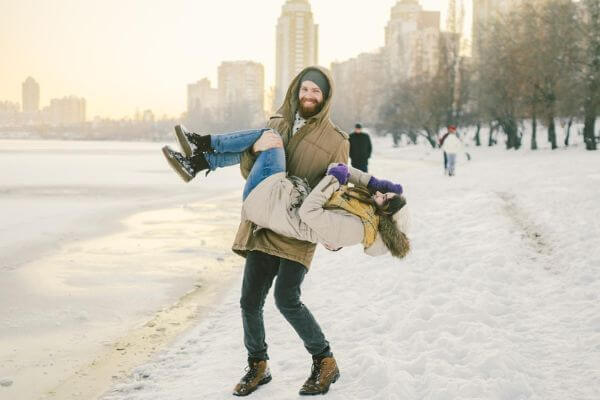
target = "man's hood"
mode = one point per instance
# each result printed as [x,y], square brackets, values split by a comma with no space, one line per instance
[290,103]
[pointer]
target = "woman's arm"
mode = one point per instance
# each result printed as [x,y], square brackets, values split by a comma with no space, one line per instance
[331,227]
[357,177]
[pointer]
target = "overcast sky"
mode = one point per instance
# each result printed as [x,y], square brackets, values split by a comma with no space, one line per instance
[123,55]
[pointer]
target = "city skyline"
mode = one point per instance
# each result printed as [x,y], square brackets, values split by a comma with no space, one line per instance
[123,67]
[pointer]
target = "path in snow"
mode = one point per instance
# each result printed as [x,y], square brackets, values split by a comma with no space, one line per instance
[499,298]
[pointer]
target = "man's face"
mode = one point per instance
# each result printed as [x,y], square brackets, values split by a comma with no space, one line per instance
[311,99]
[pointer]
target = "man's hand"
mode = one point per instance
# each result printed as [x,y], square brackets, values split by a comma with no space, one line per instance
[268,140]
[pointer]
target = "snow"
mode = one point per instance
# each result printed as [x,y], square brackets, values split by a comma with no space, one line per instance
[499,298]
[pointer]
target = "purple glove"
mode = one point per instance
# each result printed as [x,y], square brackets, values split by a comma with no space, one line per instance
[340,172]
[383,186]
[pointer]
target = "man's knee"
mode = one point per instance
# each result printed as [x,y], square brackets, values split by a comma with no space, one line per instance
[287,286]
[252,302]
[258,275]
[287,300]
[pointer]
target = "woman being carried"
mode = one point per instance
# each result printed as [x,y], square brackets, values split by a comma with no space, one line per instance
[373,212]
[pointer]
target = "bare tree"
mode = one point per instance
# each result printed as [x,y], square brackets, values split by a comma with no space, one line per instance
[589,68]
[501,78]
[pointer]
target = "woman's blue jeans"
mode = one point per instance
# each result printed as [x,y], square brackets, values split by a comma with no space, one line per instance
[269,162]
[228,149]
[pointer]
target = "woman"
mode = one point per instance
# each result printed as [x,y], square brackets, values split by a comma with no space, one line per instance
[332,213]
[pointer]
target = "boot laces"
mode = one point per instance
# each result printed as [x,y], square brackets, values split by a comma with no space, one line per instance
[251,372]
[193,138]
[315,371]
[181,159]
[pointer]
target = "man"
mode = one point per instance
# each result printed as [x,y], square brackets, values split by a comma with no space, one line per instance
[360,148]
[451,128]
[311,143]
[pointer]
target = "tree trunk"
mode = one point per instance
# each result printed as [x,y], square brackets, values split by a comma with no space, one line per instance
[477,138]
[534,145]
[568,134]
[396,138]
[513,141]
[552,132]
[589,134]
[491,135]
[430,138]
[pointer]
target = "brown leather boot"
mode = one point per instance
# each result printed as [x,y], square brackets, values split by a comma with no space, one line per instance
[257,373]
[324,372]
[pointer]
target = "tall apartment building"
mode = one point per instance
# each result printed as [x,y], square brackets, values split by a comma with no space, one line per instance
[241,91]
[66,111]
[9,112]
[412,41]
[30,93]
[361,79]
[483,13]
[297,44]
[201,96]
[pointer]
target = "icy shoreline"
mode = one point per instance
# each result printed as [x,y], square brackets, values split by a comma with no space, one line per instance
[91,254]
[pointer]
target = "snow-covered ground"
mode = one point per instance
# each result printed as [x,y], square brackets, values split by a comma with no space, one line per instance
[499,299]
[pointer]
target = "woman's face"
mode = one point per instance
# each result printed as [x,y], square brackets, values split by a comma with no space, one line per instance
[381,199]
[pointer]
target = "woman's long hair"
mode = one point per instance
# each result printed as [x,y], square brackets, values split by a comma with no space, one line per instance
[397,242]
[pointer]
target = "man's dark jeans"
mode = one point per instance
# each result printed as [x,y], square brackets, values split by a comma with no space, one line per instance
[259,272]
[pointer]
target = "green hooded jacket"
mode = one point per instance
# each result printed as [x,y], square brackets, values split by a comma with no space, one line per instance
[308,154]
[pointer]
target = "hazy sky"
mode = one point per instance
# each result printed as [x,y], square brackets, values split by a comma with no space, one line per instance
[123,55]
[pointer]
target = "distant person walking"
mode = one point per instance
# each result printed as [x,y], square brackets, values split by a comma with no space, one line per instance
[451,128]
[451,145]
[360,148]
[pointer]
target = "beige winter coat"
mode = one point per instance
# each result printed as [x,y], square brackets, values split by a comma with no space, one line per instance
[273,204]
[308,153]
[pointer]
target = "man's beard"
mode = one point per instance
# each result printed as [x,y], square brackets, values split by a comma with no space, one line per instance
[309,109]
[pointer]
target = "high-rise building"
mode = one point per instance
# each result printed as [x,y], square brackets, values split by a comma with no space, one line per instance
[242,92]
[362,79]
[30,93]
[412,41]
[66,111]
[201,96]
[484,11]
[9,112]
[297,44]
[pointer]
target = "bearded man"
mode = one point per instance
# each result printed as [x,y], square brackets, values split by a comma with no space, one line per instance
[311,143]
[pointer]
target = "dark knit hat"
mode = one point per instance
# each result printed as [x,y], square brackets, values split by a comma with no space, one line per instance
[318,78]
[358,125]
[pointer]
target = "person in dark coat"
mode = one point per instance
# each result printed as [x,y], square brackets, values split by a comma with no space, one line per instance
[360,148]
[451,129]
